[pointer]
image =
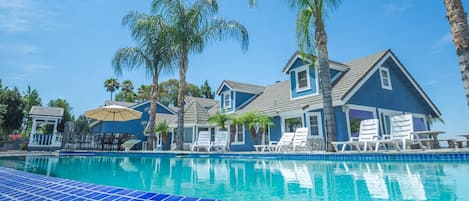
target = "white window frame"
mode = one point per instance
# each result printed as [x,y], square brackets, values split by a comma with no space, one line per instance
[381,69]
[235,141]
[227,106]
[297,80]
[290,116]
[390,113]
[357,107]
[318,115]
[422,116]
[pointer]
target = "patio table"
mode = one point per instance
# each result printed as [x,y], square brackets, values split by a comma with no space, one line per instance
[435,144]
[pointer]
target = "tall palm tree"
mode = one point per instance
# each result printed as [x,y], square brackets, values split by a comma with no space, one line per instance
[127,86]
[220,120]
[457,19]
[311,16]
[153,53]
[111,85]
[194,27]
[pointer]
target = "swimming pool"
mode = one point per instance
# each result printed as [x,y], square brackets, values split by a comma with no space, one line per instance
[260,179]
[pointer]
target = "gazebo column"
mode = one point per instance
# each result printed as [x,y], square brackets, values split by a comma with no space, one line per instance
[33,131]
[54,133]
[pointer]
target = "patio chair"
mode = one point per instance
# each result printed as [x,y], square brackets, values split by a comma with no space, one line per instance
[368,135]
[285,140]
[127,145]
[300,140]
[402,129]
[203,141]
[221,141]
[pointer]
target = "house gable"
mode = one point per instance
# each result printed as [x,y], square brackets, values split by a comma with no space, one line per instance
[404,95]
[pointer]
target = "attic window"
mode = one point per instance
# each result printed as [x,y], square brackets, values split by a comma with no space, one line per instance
[385,78]
[302,80]
[227,100]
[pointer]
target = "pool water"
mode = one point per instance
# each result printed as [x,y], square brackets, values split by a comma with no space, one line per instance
[260,179]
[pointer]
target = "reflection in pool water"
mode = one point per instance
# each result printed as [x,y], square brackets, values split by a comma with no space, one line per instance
[259,179]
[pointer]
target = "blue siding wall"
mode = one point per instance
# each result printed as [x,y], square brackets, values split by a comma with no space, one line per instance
[248,142]
[276,130]
[133,127]
[340,123]
[241,98]
[312,82]
[402,97]
[297,63]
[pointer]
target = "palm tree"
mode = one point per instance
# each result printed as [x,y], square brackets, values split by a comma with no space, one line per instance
[162,128]
[460,31]
[219,119]
[264,122]
[153,53]
[111,85]
[257,124]
[194,27]
[311,15]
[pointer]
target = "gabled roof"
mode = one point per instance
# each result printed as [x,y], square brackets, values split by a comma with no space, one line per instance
[297,55]
[241,87]
[121,103]
[276,97]
[46,111]
[204,102]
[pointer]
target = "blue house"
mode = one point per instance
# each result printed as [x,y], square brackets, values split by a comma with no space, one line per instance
[375,86]
[133,127]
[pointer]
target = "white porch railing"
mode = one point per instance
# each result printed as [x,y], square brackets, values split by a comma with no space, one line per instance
[45,140]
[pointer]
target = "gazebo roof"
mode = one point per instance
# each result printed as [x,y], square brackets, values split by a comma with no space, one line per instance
[46,111]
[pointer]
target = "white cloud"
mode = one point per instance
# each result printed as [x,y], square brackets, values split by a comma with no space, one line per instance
[441,43]
[22,16]
[18,49]
[392,8]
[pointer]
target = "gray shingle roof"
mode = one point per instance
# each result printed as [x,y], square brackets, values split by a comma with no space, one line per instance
[297,54]
[197,111]
[242,87]
[47,111]
[204,102]
[276,97]
[121,103]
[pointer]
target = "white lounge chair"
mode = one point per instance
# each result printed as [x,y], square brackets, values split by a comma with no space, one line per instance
[127,145]
[300,140]
[368,135]
[203,141]
[285,140]
[221,141]
[402,128]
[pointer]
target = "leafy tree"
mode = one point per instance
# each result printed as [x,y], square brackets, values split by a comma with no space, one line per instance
[3,110]
[82,125]
[169,91]
[153,53]
[111,85]
[234,121]
[162,128]
[14,107]
[31,98]
[219,119]
[143,93]
[311,17]
[193,27]
[457,19]
[206,91]
[67,112]
[127,93]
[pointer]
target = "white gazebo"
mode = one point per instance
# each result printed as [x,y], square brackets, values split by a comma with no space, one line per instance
[43,116]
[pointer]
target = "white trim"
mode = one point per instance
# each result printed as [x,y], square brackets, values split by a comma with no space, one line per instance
[289,116]
[423,116]
[297,79]
[381,69]
[332,64]
[390,113]
[374,68]
[360,108]
[157,103]
[224,100]
[336,76]
[221,87]
[235,141]
[318,115]
[316,81]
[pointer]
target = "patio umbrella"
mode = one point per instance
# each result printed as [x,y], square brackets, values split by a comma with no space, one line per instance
[113,113]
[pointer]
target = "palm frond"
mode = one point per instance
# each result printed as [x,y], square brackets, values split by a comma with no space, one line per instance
[220,29]
[130,58]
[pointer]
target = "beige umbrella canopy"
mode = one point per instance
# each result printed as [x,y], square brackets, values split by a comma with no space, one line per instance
[113,113]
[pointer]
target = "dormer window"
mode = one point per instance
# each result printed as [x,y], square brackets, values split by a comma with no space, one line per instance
[227,100]
[302,80]
[385,78]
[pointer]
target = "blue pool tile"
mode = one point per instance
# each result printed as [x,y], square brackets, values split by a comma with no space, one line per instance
[147,195]
[123,199]
[174,198]
[190,199]
[136,194]
[112,197]
[160,197]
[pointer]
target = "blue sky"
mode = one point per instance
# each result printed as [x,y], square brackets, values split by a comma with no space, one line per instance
[63,48]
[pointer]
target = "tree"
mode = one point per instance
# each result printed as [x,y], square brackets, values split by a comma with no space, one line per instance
[206,91]
[256,123]
[3,110]
[162,128]
[234,121]
[219,119]
[127,93]
[457,19]
[143,93]
[169,91]
[14,107]
[194,27]
[111,85]
[264,122]
[82,125]
[153,53]
[310,16]
[31,98]
[67,117]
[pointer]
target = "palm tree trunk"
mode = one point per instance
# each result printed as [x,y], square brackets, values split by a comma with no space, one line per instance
[460,31]
[325,83]
[151,122]
[181,94]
